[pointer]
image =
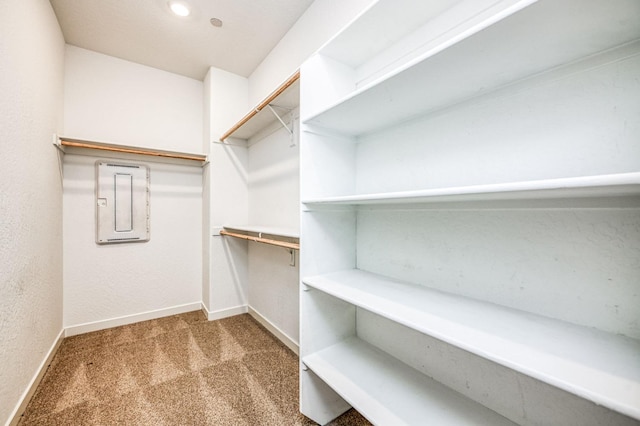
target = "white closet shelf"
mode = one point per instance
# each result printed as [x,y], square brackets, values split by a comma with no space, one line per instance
[483,58]
[621,184]
[286,96]
[598,366]
[268,230]
[291,242]
[388,392]
[81,146]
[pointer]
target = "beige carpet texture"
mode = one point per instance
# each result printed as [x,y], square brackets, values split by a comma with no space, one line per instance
[178,370]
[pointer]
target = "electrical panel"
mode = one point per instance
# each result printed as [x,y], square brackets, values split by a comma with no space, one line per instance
[122,202]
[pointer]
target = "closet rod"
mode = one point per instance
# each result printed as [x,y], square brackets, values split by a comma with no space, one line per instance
[294,246]
[141,151]
[284,86]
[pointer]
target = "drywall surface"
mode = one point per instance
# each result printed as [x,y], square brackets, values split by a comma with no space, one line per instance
[274,184]
[274,200]
[107,99]
[206,194]
[31,66]
[106,282]
[320,22]
[112,100]
[225,291]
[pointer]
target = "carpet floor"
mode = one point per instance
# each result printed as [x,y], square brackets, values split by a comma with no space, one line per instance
[178,370]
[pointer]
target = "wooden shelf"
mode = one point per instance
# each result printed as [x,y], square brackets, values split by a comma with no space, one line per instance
[482,58]
[82,145]
[268,230]
[287,95]
[389,392]
[290,242]
[623,184]
[598,366]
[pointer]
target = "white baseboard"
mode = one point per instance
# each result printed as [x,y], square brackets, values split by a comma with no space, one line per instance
[14,418]
[224,313]
[281,335]
[130,319]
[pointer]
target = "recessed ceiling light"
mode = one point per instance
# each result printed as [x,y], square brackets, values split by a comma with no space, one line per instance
[216,22]
[179,8]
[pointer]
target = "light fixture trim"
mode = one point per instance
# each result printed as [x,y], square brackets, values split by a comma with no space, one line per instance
[180,8]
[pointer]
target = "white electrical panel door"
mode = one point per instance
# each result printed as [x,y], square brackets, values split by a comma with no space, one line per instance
[122,202]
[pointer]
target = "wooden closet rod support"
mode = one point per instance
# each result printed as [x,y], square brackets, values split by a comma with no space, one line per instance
[140,151]
[284,86]
[294,246]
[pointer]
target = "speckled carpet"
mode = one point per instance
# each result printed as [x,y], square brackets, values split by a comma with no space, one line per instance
[178,370]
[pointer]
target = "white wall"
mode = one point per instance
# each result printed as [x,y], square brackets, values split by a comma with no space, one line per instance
[225,290]
[274,199]
[112,100]
[31,66]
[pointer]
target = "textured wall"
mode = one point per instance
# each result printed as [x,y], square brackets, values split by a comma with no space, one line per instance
[108,99]
[274,188]
[111,282]
[122,102]
[226,289]
[31,66]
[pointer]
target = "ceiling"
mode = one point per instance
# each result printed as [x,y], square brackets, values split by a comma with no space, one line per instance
[147,32]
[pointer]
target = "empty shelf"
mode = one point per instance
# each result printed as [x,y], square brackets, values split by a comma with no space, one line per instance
[622,184]
[268,230]
[290,242]
[482,59]
[388,392]
[599,366]
[65,142]
[287,96]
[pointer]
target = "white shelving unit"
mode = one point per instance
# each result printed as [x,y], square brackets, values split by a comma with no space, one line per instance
[470,185]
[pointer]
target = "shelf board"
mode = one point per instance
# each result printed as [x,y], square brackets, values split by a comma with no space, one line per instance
[286,96]
[291,238]
[268,230]
[363,38]
[614,185]
[595,365]
[72,145]
[388,392]
[482,59]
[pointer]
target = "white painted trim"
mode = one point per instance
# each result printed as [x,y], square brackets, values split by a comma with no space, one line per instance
[16,415]
[281,335]
[224,313]
[130,319]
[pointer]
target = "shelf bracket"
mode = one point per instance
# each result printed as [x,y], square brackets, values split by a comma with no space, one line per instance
[292,259]
[290,130]
[57,145]
[60,153]
[279,119]
[229,144]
